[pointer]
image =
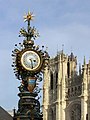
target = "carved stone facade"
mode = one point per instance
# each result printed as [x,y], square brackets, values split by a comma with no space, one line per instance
[66,93]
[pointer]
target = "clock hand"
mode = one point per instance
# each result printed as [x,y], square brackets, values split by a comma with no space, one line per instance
[31,63]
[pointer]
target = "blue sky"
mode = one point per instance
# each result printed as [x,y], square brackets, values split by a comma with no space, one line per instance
[58,22]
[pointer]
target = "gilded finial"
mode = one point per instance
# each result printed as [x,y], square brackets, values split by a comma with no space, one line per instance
[31,32]
[28,17]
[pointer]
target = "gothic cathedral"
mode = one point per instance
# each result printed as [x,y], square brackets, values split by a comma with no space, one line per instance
[66,92]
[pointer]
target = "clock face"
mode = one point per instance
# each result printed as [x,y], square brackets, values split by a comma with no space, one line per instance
[30,60]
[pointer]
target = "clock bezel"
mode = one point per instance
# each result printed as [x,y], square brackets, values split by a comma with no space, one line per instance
[40,63]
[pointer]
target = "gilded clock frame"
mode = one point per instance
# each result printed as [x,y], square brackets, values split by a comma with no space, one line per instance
[20,66]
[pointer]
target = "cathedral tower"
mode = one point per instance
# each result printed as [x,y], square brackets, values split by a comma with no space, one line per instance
[66,93]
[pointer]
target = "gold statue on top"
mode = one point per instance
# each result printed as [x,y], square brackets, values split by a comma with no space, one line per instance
[31,32]
[28,17]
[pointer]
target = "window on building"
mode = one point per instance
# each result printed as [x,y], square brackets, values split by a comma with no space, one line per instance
[51,81]
[75,90]
[52,115]
[79,88]
[68,69]
[68,91]
[56,79]
[72,89]
[76,112]
[86,116]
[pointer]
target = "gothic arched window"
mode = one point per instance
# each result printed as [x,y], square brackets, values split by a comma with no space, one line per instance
[76,112]
[51,81]
[52,115]
[56,79]
[72,89]
[75,90]
[68,69]
[68,92]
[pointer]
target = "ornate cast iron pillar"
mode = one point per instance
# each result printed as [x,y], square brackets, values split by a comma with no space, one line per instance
[28,63]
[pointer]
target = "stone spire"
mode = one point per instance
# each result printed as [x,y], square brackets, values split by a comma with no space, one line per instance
[84,62]
[79,69]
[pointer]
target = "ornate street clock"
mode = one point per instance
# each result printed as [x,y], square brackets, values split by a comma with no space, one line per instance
[29,61]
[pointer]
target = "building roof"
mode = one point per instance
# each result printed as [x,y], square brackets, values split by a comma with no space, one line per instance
[4,115]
